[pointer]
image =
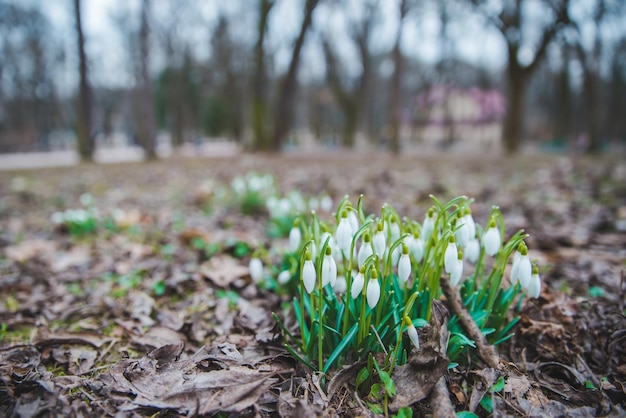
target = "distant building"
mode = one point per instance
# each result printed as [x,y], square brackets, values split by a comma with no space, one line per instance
[464,117]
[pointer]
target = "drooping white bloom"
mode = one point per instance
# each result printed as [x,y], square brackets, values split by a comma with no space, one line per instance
[340,285]
[373,290]
[404,264]
[326,203]
[523,272]
[457,273]
[491,239]
[412,332]
[308,275]
[354,221]
[283,277]
[295,237]
[472,251]
[461,233]
[256,269]
[450,256]
[380,242]
[394,229]
[365,251]
[344,234]
[357,284]
[469,221]
[429,224]
[417,248]
[534,286]
[329,269]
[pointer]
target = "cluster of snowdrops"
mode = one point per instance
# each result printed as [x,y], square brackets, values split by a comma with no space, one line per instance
[366,282]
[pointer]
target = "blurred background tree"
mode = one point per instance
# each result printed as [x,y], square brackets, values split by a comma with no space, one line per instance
[270,74]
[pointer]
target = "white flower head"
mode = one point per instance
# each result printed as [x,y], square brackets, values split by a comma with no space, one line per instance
[429,224]
[354,221]
[469,221]
[417,247]
[295,236]
[340,285]
[308,273]
[357,283]
[365,251]
[404,265]
[491,239]
[534,286]
[450,256]
[394,228]
[380,242]
[256,269]
[329,269]
[373,290]
[344,234]
[283,277]
[326,203]
[457,273]
[461,233]
[412,332]
[522,269]
[472,251]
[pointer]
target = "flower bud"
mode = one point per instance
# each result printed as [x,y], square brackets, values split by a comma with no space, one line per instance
[450,256]
[365,251]
[491,239]
[457,273]
[380,242]
[344,234]
[357,283]
[404,264]
[329,269]
[295,236]
[308,273]
[472,251]
[534,285]
[412,332]
[373,290]
[283,277]
[256,269]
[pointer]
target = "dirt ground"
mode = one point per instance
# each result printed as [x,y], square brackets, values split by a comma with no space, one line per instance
[141,322]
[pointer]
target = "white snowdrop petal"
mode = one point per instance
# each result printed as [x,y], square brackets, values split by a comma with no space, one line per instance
[256,269]
[308,276]
[462,233]
[413,336]
[472,251]
[357,285]
[344,235]
[455,276]
[295,237]
[283,277]
[450,257]
[364,252]
[471,225]
[534,287]
[340,285]
[491,241]
[404,268]
[373,293]
[524,271]
[380,243]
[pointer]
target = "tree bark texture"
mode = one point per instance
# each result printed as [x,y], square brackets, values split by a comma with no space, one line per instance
[146,122]
[84,110]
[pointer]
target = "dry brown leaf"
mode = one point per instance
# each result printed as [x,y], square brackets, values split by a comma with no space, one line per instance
[223,270]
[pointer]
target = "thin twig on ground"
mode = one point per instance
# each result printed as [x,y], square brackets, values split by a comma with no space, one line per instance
[486,351]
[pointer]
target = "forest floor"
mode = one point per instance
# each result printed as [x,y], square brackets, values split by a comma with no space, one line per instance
[140,320]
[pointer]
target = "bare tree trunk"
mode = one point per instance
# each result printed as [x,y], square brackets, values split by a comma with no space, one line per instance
[83,125]
[512,134]
[259,99]
[396,84]
[146,125]
[284,108]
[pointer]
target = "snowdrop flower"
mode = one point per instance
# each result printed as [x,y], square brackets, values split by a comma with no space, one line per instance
[380,243]
[404,264]
[365,251]
[295,236]
[412,332]
[469,221]
[331,242]
[451,256]
[429,224]
[283,277]
[472,251]
[457,273]
[326,203]
[329,269]
[357,283]
[86,199]
[534,286]
[354,221]
[256,269]
[308,273]
[373,290]
[491,239]
[394,229]
[341,285]
[522,269]
[417,247]
[344,234]
[461,232]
